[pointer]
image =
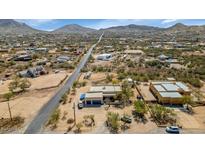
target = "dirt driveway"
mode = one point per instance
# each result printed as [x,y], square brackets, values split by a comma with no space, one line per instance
[194,121]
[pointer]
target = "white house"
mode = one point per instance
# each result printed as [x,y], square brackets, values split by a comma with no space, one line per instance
[104,57]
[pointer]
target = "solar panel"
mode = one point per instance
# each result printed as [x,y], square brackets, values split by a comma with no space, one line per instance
[171,94]
[170,87]
[182,86]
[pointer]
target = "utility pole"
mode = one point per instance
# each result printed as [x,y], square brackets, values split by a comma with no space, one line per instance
[74,114]
[9,110]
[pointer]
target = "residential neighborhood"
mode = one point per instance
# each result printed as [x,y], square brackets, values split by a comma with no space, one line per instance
[129,79]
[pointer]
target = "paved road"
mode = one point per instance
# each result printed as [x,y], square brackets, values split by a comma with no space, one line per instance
[42,117]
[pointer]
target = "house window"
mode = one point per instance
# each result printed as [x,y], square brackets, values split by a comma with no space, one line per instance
[88,102]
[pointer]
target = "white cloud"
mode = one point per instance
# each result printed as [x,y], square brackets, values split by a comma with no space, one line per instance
[115,22]
[50,30]
[168,21]
[35,22]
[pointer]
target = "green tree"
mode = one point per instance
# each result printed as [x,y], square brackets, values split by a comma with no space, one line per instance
[109,78]
[113,121]
[24,84]
[54,117]
[140,108]
[162,115]
[187,100]
[13,85]
[125,94]
[64,98]
[79,126]
[16,83]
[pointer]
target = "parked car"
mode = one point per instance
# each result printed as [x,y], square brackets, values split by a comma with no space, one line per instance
[126,119]
[139,97]
[80,105]
[82,96]
[188,108]
[173,129]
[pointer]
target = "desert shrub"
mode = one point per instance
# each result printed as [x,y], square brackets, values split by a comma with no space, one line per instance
[78,127]
[70,121]
[113,122]
[6,124]
[162,115]
[54,118]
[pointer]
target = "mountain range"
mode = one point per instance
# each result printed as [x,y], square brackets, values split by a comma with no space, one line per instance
[13,27]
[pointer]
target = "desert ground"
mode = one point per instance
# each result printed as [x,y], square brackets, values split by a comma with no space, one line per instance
[29,103]
[195,122]
[41,82]
[67,112]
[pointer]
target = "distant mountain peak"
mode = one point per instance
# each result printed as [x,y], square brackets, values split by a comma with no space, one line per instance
[178,26]
[14,27]
[73,28]
[131,27]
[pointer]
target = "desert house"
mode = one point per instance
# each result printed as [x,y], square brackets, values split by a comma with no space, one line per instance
[62,59]
[104,57]
[33,72]
[24,57]
[170,92]
[98,94]
[42,50]
[134,52]
[163,57]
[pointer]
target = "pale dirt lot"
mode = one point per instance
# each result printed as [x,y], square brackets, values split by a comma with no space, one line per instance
[187,121]
[99,113]
[96,78]
[27,105]
[44,81]
[47,81]
[195,121]
[194,53]
[200,116]
[177,66]
[202,89]
[101,63]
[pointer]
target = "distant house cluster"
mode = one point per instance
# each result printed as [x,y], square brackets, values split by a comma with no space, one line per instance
[33,72]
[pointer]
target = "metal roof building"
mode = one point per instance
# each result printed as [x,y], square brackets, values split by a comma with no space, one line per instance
[169,91]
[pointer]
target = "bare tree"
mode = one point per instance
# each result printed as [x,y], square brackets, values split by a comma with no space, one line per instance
[8,96]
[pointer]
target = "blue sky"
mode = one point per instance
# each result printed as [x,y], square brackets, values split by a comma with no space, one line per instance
[51,24]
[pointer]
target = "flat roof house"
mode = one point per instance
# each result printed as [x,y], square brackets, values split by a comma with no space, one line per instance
[134,52]
[62,59]
[104,57]
[163,57]
[24,57]
[98,94]
[41,50]
[170,92]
